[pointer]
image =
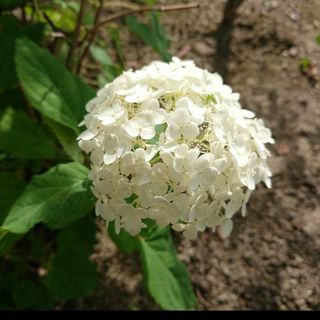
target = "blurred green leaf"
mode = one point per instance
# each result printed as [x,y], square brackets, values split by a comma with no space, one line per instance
[11,97]
[49,87]
[25,294]
[4,306]
[163,42]
[72,274]
[63,14]
[165,276]
[45,299]
[101,56]
[64,19]
[304,64]
[11,4]
[57,198]
[318,39]
[10,188]
[7,241]
[11,30]
[23,137]
[147,2]
[63,52]
[9,278]
[108,68]
[88,18]
[153,36]
[68,140]
[114,33]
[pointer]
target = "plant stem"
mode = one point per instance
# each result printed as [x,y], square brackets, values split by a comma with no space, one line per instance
[53,26]
[76,35]
[155,160]
[23,14]
[142,9]
[91,37]
[35,7]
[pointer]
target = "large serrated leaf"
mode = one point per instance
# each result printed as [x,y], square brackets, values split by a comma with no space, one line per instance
[22,137]
[72,274]
[58,197]
[49,87]
[165,276]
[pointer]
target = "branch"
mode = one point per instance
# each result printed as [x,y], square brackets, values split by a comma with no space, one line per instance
[23,14]
[76,34]
[161,8]
[52,25]
[121,4]
[91,38]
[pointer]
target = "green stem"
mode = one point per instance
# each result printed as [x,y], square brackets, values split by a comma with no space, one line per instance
[155,160]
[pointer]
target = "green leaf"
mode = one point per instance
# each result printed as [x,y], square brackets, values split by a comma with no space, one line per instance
[304,64]
[109,69]
[11,4]
[22,137]
[10,188]
[160,128]
[318,39]
[162,39]
[11,97]
[4,306]
[68,140]
[72,274]
[101,56]
[155,36]
[115,35]
[9,278]
[124,241]
[3,233]
[57,198]
[28,294]
[166,277]
[10,31]
[49,87]
[61,13]
[147,2]
[45,299]
[25,294]
[7,240]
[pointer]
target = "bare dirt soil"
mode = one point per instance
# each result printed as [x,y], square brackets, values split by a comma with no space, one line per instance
[272,259]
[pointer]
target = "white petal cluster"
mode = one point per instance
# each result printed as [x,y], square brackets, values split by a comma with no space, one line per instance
[170,142]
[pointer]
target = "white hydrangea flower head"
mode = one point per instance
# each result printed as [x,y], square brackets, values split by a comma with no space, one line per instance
[170,142]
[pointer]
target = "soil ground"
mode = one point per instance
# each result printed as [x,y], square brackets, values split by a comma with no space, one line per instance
[272,259]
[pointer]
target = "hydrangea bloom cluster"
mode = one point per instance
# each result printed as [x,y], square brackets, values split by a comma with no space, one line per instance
[170,142]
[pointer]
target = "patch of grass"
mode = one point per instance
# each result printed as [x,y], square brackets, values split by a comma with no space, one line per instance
[304,64]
